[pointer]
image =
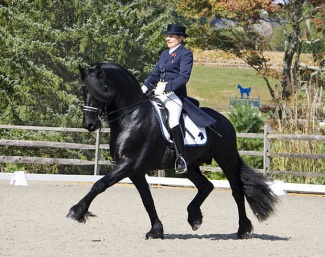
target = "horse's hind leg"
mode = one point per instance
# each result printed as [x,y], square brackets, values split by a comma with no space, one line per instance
[230,163]
[204,187]
[141,184]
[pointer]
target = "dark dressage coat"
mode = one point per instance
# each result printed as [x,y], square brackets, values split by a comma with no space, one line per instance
[173,68]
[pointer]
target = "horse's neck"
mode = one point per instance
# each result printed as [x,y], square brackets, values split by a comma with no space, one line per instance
[122,107]
[121,100]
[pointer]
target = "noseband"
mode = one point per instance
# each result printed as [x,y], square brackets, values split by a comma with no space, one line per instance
[102,111]
[90,108]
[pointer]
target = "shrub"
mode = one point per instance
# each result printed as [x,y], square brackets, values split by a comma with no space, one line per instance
[248,119]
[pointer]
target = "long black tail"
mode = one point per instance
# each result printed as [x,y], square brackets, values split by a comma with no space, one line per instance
[258,194]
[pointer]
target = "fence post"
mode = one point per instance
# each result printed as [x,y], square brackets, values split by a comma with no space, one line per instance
[161,173]
[266,150]
[97,152]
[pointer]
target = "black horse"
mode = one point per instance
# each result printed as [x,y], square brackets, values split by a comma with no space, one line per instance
[137,146]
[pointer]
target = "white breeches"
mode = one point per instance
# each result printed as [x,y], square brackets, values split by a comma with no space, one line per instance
[174,106]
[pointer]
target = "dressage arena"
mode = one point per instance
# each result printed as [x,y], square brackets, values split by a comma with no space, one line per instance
[33,223]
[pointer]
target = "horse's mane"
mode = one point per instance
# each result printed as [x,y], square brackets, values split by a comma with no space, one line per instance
[120,69]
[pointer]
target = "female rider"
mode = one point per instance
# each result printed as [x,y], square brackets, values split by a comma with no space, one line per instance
[168,80]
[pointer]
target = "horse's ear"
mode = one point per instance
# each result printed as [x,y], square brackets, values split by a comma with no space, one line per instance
[98,71]
[82,72]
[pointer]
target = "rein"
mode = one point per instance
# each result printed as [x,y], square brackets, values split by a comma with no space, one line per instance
[131,107]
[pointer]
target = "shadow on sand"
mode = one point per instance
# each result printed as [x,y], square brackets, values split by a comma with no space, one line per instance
[232,236]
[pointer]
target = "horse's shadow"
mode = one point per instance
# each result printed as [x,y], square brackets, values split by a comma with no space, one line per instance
[232,236]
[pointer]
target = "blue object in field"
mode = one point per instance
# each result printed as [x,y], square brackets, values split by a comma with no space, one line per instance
[244,91]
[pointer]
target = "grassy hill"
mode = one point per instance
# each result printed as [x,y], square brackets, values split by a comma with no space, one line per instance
[213,81]
[213,86]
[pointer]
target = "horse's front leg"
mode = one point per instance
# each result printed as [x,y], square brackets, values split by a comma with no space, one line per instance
[142,186]
[80,211]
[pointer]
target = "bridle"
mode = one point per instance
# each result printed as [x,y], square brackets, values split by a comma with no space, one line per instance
[101,110]
[90,109]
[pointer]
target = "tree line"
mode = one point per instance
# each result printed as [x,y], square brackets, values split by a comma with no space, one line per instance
[42,42]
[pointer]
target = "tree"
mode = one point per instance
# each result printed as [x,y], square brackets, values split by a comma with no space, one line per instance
[43,42]
[247,42]
[295,17]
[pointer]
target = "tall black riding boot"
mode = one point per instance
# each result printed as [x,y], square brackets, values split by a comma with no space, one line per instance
[178,138]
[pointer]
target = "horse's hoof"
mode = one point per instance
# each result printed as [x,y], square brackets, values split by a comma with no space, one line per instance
[151,235]
[71,215]
[195,217]
[75,213]
[196,224]
[156,232]
[244,236]
[245,230]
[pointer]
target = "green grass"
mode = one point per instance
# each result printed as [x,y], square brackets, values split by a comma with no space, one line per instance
[213,86]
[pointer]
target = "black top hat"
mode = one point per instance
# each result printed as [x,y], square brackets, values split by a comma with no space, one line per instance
[174,29]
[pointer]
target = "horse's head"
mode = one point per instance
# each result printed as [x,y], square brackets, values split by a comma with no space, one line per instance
[96,97]
[107,87]
[92,111]
[97,83]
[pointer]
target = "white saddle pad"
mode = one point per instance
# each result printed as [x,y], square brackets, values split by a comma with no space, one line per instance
[194,135]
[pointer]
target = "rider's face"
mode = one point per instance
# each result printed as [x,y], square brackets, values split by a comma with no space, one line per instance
[173,40]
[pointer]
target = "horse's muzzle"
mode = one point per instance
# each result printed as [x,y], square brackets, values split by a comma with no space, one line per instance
[92,126]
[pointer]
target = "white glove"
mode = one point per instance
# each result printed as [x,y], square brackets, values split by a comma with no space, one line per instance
[160,88]
[144,89]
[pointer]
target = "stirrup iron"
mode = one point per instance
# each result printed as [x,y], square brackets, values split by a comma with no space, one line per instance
[180,165]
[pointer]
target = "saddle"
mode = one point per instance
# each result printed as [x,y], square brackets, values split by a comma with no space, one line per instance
[193,121]
[194,135]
